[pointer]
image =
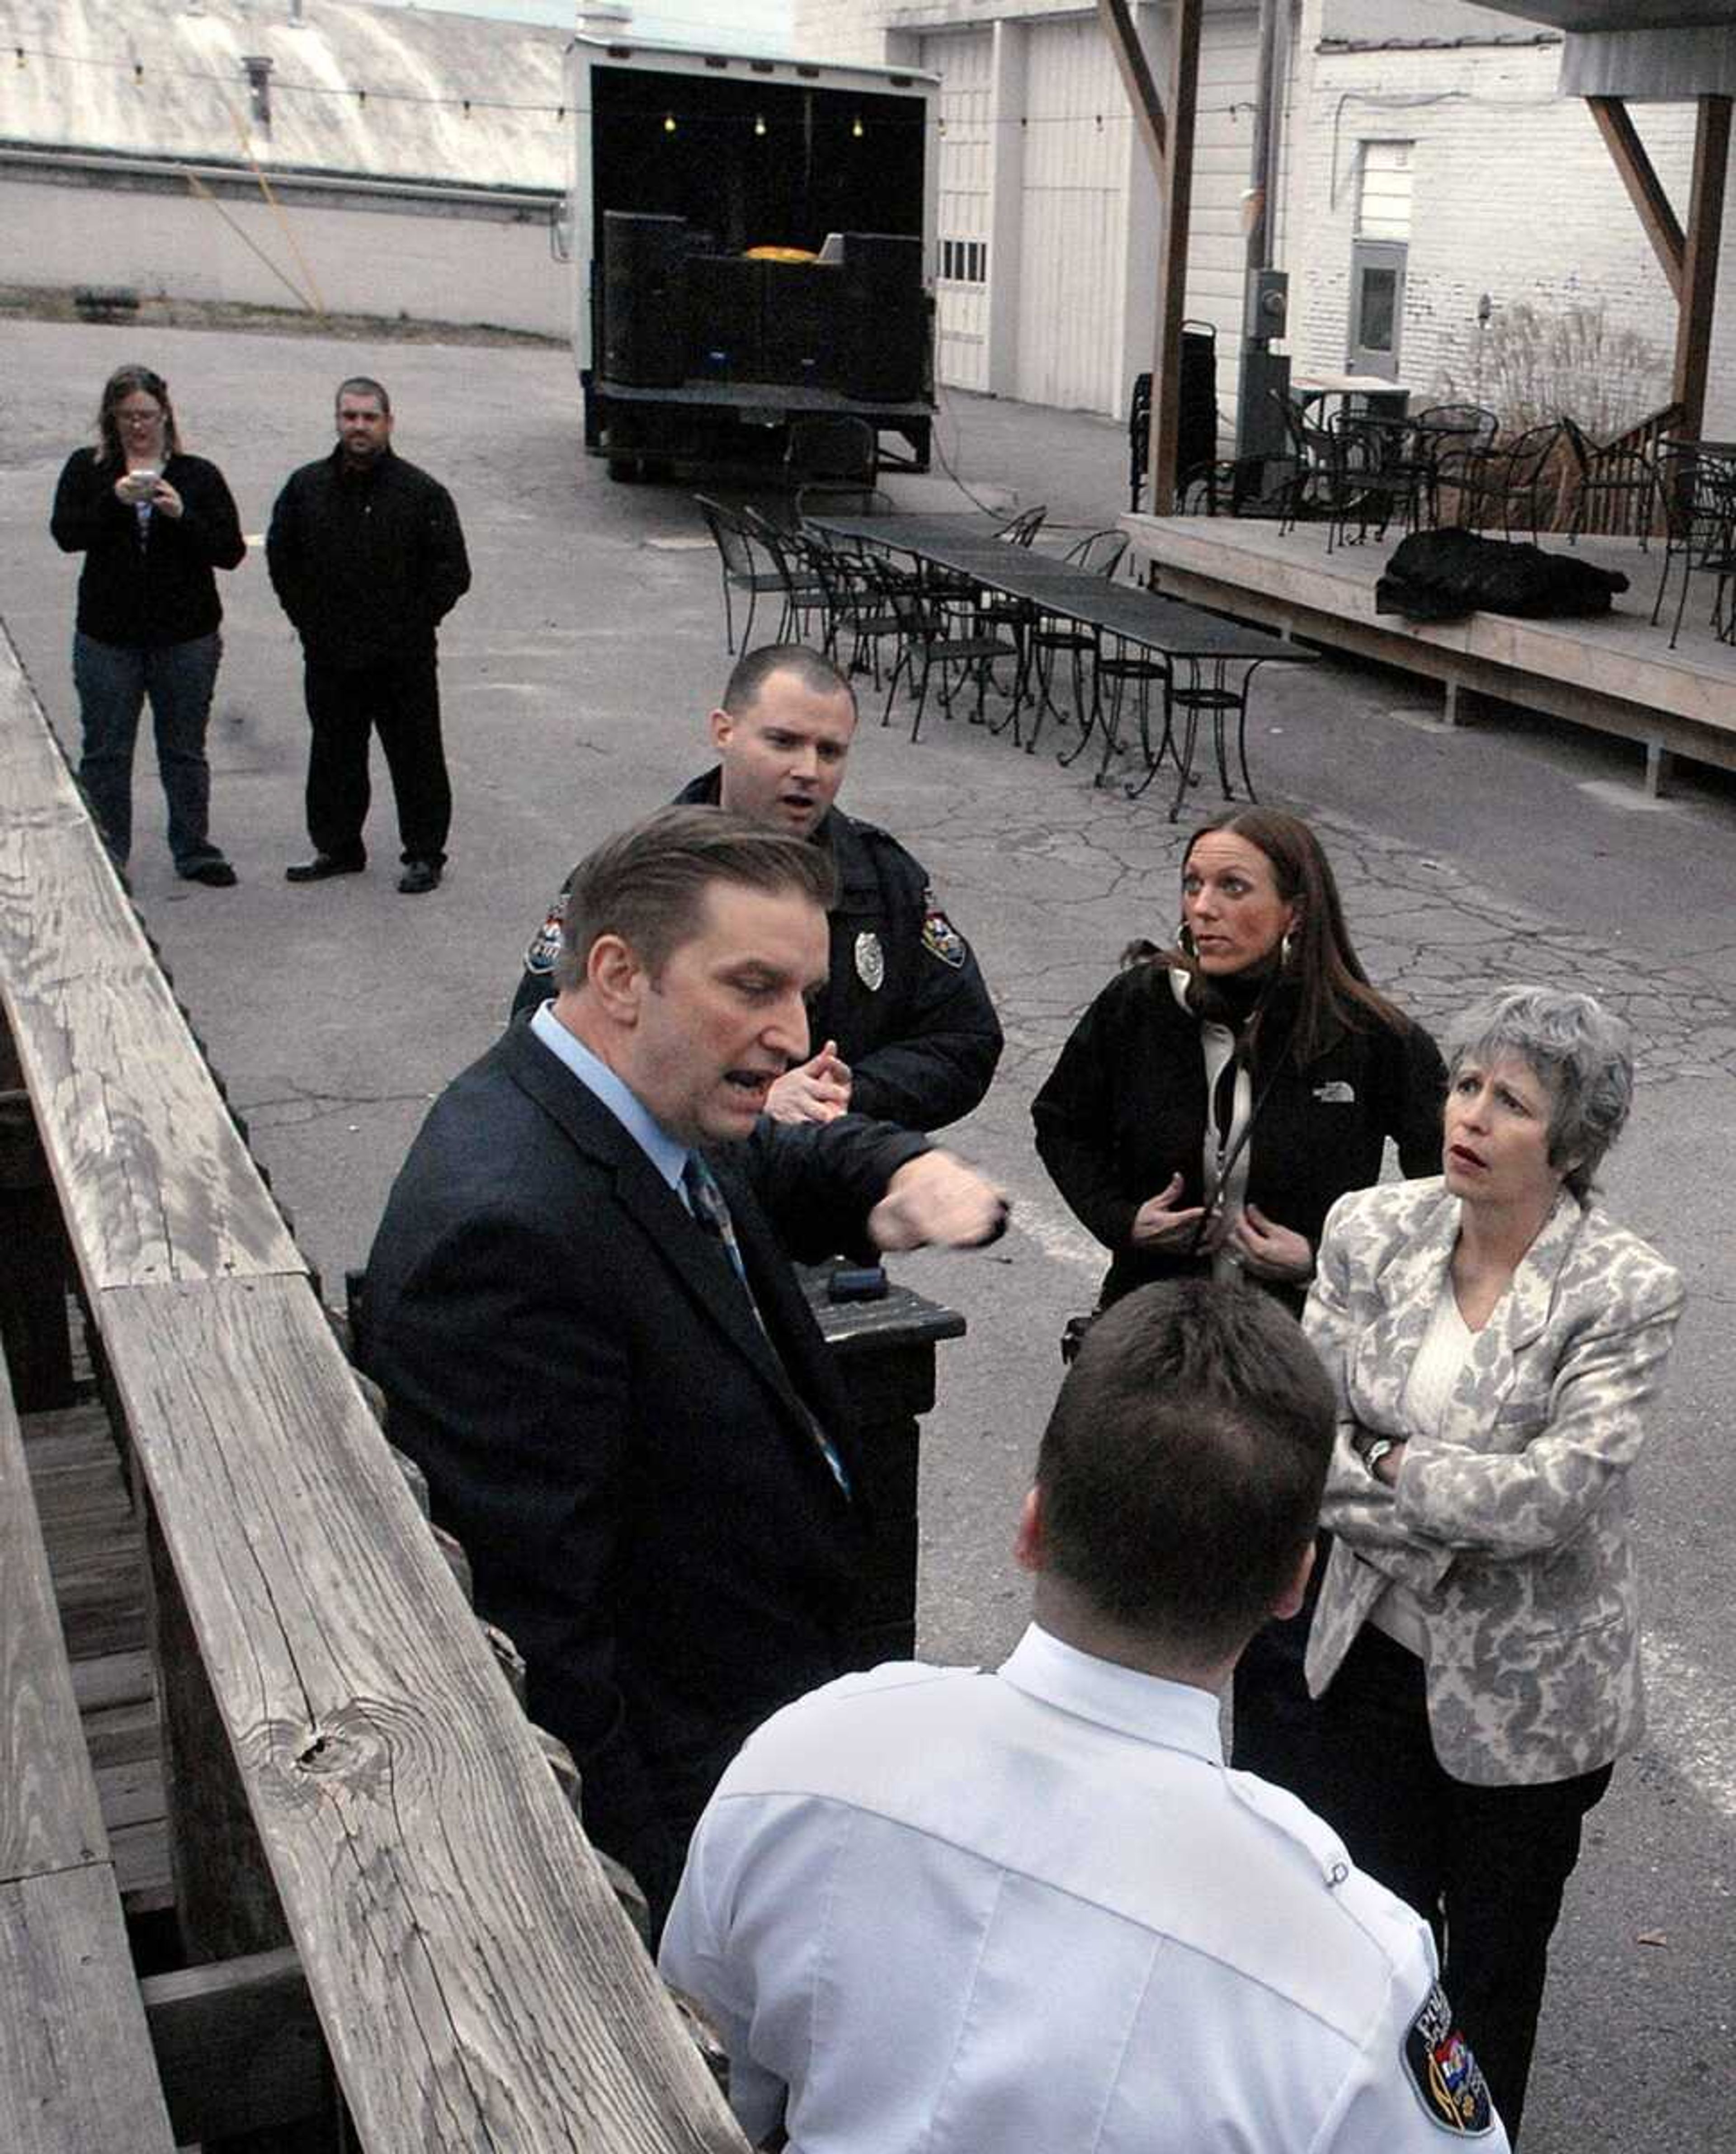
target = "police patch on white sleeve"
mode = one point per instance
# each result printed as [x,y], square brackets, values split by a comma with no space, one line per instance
[1449,2080]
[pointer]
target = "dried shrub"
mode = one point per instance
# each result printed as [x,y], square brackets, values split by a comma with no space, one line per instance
[1534,365]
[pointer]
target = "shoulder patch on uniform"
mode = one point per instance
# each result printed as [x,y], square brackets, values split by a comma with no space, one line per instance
[1447,2078]
[940,937]
[544,945]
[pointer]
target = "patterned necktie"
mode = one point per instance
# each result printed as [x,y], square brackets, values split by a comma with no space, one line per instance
[711,1214]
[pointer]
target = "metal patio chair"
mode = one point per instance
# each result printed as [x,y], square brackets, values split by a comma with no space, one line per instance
[1510,480]
[929,636]
[742,563]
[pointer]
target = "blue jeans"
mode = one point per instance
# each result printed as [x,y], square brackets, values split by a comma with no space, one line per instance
[113,680]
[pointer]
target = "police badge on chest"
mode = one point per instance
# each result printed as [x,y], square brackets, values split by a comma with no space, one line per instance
[870,961]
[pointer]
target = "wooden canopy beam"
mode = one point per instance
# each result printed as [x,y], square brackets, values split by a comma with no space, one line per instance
[1645,191]
[1116,18]
[1698,296]
[1168,137]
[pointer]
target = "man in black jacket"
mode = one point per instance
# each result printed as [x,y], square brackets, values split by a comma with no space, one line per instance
[903,1028]
[591,1341]
[367,558]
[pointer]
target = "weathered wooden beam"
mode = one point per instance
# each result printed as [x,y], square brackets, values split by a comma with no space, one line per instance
[154,1180]
[474,1976]
[226,1901]
[1119,27]
[1178,178]
[1698,292]
[1645,190]
[76,2072]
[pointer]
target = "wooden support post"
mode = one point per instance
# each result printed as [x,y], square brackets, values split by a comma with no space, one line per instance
[1168,137]
[225,1899]
[1178,182]
[239,2047]
[1698,292]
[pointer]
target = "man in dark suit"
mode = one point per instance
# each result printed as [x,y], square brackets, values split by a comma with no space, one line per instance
[590,1339]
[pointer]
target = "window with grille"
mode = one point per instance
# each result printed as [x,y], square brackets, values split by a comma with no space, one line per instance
[1383,193]
[964,262]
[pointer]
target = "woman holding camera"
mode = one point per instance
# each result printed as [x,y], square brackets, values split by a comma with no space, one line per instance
[1497,1342]
[153,523]
[1219,1096]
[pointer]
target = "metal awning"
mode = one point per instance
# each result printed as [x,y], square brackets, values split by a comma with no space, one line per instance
[1595,17]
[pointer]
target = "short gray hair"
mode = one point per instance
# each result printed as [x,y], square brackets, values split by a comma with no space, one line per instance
[1581,1053]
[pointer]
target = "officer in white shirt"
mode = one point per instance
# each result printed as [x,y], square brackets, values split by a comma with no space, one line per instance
[963,1912]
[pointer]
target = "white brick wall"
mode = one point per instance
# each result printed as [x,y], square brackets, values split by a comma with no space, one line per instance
[1515,195]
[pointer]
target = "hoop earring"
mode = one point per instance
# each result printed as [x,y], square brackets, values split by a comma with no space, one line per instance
[1286,950]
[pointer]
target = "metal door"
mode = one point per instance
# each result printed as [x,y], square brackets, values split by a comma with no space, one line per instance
[1073,262]
[1377,307]
[962,269]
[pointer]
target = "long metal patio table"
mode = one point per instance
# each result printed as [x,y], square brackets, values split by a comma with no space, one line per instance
[1205,644]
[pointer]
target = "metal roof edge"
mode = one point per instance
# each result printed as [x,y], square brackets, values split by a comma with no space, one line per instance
[795,63]
[1489,43]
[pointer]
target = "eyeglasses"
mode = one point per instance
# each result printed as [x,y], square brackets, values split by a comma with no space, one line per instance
[140,418]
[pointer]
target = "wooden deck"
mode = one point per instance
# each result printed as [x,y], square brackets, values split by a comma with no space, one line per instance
[1616,672]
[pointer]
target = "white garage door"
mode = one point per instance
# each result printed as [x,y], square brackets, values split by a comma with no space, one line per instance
[1072,273]
[962,267]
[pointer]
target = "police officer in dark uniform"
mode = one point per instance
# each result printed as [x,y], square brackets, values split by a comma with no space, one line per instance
[904,1029]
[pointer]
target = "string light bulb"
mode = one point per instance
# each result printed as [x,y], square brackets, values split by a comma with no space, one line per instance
[855,127]
[669,123]
[758,124]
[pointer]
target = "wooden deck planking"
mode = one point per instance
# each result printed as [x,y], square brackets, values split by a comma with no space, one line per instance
[483,1986]
[77,2072]
[1614,671]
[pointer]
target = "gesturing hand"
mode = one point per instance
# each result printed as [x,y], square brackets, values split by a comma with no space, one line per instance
[1265,1250]
[1159,1225]
[937,1198]
[816,1091]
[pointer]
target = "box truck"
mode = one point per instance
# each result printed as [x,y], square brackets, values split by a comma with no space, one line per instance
[753,245]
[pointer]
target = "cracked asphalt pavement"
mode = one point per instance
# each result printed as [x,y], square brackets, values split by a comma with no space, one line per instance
[575,679]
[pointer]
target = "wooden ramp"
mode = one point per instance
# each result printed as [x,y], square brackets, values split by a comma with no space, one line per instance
[1616,672]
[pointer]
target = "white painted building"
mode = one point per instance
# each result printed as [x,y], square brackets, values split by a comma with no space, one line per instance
[1430,156]
[1046,285]
[331,155]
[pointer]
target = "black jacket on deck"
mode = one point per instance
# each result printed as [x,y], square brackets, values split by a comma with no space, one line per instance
[1125,1108]
[922,1045]
[607,1430]
[147,589]
[367,563]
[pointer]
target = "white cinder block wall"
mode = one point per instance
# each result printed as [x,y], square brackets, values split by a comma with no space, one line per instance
[1514,194]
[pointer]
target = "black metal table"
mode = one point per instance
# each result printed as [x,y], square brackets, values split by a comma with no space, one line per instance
[1202,646]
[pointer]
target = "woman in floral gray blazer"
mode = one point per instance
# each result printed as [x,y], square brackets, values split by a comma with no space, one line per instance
[1496,1341]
